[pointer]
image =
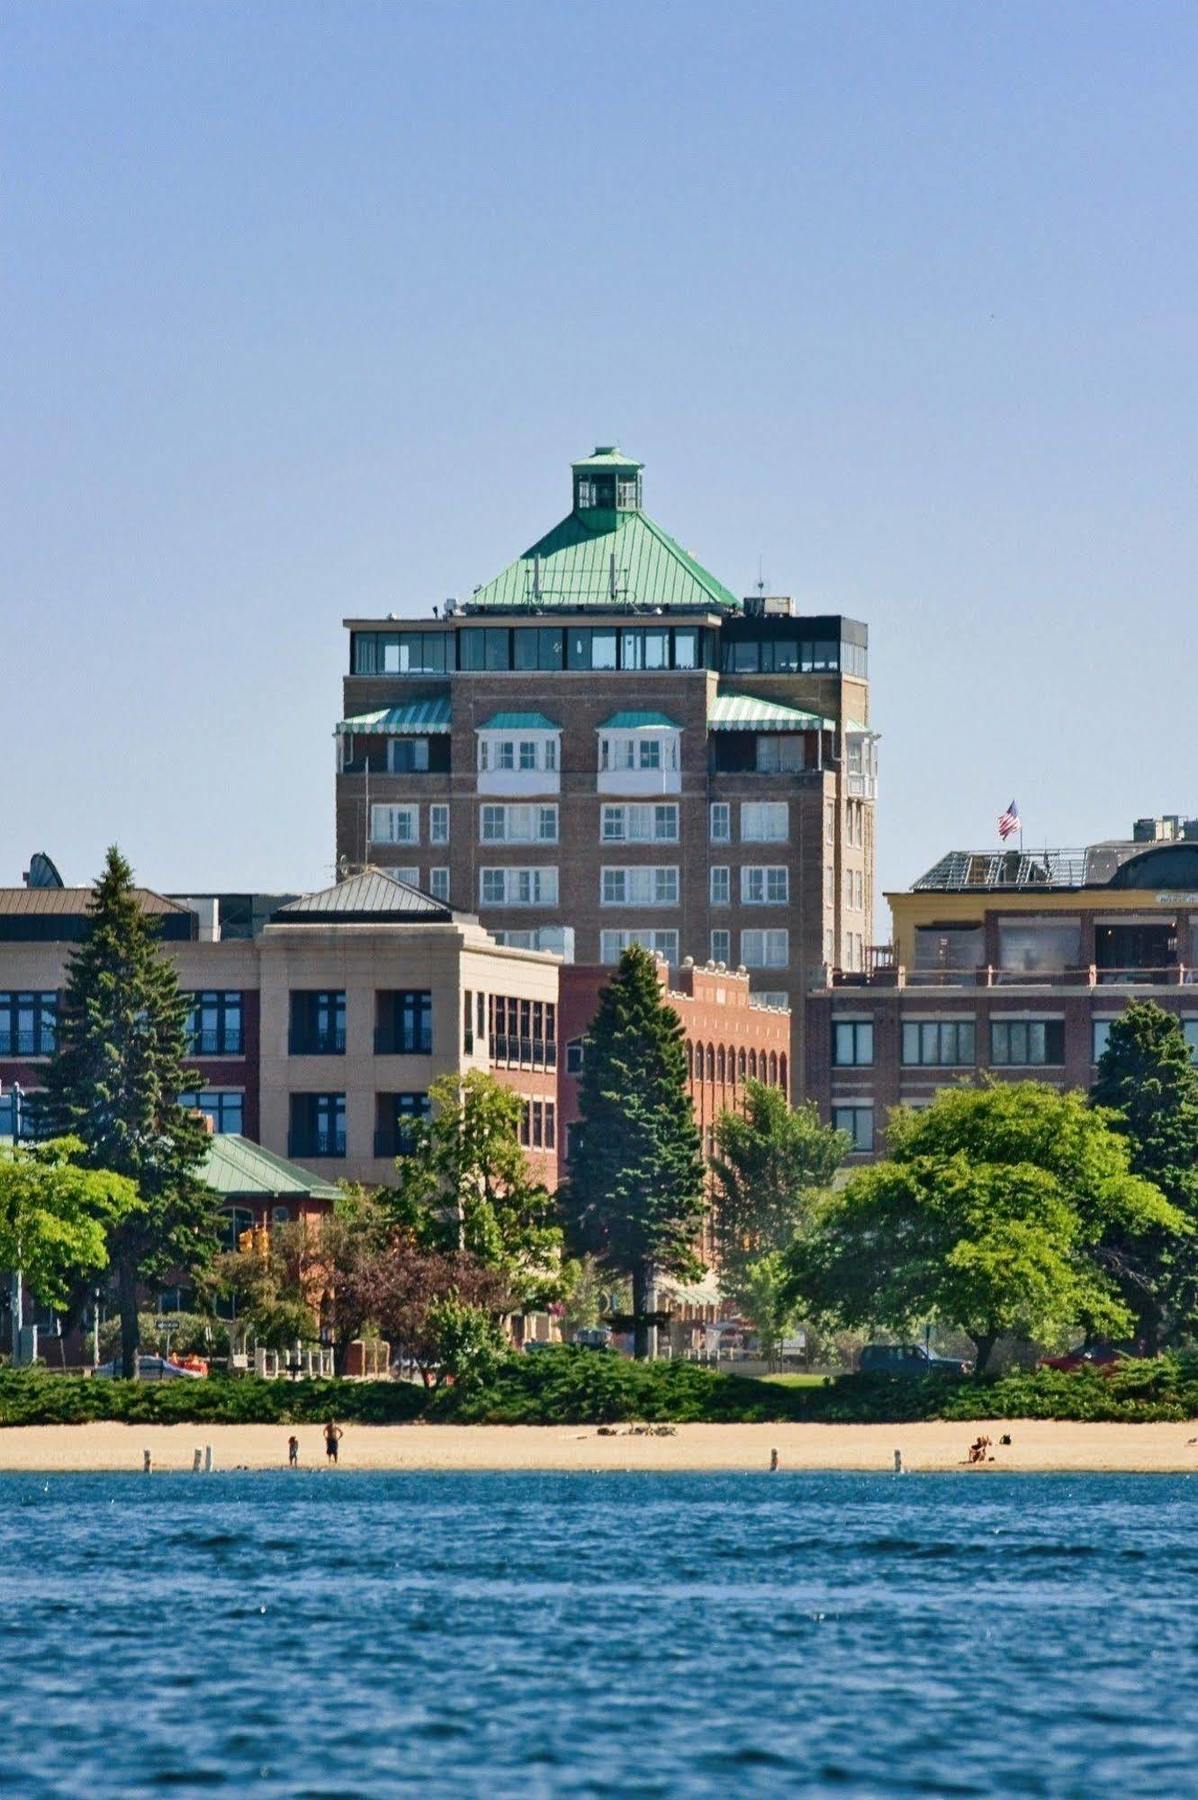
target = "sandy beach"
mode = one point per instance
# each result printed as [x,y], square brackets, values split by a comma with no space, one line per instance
[1035,1445]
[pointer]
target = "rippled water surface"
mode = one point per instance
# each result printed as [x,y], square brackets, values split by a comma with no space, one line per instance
[341,1636]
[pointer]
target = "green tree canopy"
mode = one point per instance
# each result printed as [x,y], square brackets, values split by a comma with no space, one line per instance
[770,1163]
[114,1082]
[1147,1079]
[466,1184]
[634,1197]
[56,1216]
[989,1213]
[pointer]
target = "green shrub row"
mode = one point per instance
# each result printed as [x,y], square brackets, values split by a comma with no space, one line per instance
[577,1387]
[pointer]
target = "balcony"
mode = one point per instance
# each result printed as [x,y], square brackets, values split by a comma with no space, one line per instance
[302,1041]
[1085,976]
[308,1145]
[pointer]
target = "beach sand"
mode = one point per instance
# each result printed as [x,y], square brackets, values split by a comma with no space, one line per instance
[1036,1444]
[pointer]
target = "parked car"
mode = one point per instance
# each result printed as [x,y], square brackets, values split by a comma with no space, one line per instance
[908,1359]
[152,1368]
[1101,1355]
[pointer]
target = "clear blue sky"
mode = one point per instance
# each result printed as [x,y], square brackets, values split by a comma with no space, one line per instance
[307,307]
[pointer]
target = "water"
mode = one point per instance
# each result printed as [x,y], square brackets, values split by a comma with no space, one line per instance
[347,1637]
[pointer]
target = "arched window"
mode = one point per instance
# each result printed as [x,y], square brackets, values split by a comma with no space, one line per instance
[773,1069]
[740,1064]
[782,1081]
[752,1065]
[720,1065]
[711,1062]
[280,1215]
[690,1060]
[233,1221]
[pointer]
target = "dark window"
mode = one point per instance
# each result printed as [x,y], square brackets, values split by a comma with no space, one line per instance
[233,1223]
[224,1107]
[214,1024]
[485,648]
[317,1022]
[938,1042]
[397,1113]
[317,1125]
[405,1023]
[398,652]
[578,647]
[537,647]
[408,756]
[575,1056]
[27,1022]
[852,1044]
[1027,1043]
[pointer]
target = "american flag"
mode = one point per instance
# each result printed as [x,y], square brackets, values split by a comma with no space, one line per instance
[1009,822]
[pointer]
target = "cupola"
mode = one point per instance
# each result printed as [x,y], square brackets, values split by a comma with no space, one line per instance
[607,481]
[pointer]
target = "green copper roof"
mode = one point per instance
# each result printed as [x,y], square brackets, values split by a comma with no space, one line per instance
[234,1166]
[418,715]
[607,456]
[745,712]
[605,558]
[517,721]
[639,721]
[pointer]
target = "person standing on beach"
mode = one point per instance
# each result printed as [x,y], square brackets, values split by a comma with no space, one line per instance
[293,1453]
[332,1437]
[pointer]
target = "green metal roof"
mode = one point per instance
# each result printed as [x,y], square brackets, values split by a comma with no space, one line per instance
[424,716]
[745,712]
[517,721]
[233,1166]
[639,721]
[607,456]
[587,555]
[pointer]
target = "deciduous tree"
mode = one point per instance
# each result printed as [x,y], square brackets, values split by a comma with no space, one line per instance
[56,1216]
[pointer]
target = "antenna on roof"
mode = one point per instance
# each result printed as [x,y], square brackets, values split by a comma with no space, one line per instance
[760,575]
[41,872]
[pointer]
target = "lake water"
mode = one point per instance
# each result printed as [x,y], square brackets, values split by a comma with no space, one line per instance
[341,1637]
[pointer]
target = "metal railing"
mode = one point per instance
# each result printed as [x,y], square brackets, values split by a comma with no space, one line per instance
[390,1040]
[312,1144]
[303,1042]
[217,1043]
[1084,975]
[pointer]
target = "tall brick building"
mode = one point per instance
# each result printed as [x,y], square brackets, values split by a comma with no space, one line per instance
[604,745]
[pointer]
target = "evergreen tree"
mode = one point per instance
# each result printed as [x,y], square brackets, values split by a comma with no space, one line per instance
[634,1198]
[1145,1076]
[114,1083]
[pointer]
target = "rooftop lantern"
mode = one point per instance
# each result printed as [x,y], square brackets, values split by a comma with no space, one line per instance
[607,481]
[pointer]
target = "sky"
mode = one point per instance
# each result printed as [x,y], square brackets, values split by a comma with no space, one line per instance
[306,308]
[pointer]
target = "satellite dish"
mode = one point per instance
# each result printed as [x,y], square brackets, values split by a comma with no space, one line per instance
[42,873]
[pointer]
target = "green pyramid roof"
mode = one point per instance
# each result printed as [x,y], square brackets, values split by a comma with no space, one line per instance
[234,1166]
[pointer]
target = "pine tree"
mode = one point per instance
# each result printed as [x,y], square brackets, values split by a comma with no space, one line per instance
[1146,1077]
[634,1198]
[114,1082]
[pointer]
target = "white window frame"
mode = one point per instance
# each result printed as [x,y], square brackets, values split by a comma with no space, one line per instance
[765,884]
[518,821]
[720,884]
[765,947]
[719,822]
[438,822]
[613,943]
[621,822]
[755,815]
[858,1109]
[639,884]
[438,884]
[518,885]
[385,815]
[721,945]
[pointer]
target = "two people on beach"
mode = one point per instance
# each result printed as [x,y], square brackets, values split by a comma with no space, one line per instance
[978,1449]
[333,1435]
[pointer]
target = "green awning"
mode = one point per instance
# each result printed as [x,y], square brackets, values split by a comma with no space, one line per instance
[419,717]
[745,712]
[639,721]
[517,721]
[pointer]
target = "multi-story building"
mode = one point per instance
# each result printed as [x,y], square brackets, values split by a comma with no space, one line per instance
[319,1032]
[603,745]
[1010,961]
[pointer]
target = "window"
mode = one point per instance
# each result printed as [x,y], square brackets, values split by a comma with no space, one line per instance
[638,750]
[645,649]
[765,949]
[518,824]
[639,824]
[686,647]
[438,823]
[721,822]
[720,877]
[575,1056]
[1189,1030]
[214,1026]
[526,754]
[395,824]
[764,821]
[485,648]
[411,876]
[317,1022]
[537,647]
[652,885]
[852,1043]
[780,752]
[518,886]
[224,1107]
[721,946]
[405,1022]
[1027,1042]
[1101,1029]
[829,822]
[407,756]
[939,1043]
[538,1125]
[765,884]
[612,944]
[317,1125]
[400,652]
[829,887]
[398,1113]
[233,1223]
[858,1121]
[27,1024]
[1028,946]
[438,884]
[770,997]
